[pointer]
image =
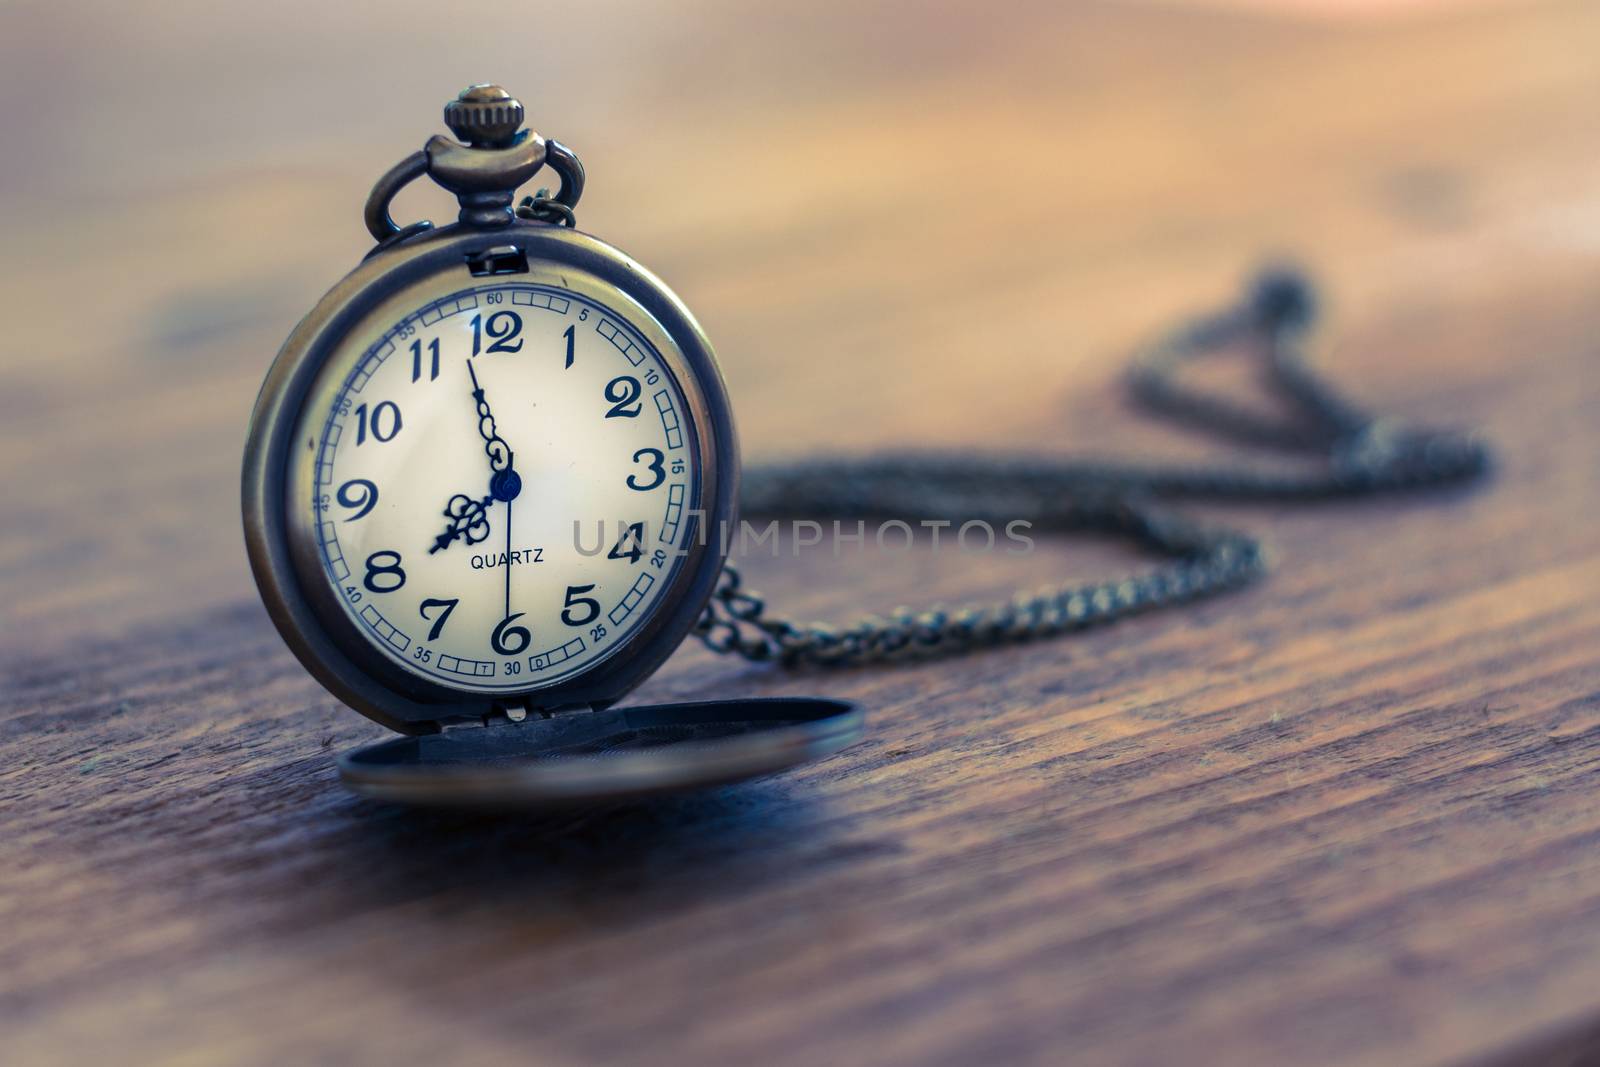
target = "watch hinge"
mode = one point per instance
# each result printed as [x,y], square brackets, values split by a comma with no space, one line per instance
[511,714]
[571,709]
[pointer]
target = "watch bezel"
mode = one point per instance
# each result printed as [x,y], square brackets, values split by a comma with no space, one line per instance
[321,635]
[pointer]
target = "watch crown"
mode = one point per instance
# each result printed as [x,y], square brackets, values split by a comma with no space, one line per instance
[484,116]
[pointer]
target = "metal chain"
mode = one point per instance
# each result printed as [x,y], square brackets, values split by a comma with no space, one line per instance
[1356,453]
[542,207]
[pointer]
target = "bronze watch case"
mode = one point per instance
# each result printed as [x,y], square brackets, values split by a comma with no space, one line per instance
[563,743]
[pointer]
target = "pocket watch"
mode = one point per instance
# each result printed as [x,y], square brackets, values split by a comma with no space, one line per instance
[483,493]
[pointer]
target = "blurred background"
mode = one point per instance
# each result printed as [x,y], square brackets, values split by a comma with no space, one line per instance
[906,225]
[900,223]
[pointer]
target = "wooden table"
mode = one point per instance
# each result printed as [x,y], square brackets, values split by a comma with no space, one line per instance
[1346,816]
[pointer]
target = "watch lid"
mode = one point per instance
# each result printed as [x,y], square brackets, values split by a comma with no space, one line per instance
[592,756]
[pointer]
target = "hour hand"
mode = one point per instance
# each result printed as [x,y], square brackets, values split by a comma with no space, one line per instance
[504,482]
[469,521]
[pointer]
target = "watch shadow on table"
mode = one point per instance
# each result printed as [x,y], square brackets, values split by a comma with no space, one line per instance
[707,843]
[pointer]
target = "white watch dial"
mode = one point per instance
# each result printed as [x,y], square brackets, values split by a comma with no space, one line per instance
[502,486]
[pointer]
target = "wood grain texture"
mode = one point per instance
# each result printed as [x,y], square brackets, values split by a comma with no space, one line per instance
[1346,816]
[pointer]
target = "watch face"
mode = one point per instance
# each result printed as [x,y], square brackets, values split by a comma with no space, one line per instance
[497,481]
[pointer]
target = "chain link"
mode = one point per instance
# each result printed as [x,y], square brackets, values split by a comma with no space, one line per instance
[1356,453]
[542,207]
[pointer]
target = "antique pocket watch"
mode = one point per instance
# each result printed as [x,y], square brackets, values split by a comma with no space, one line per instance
[482,496]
